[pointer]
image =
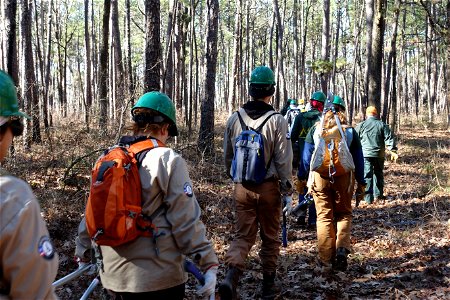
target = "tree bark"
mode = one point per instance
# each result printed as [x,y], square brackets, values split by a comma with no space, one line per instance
[118,63]
[392,54]
[87,78]
[129,71]
[168,79]
[45,101]
[281,90]
[152,46]
[206,133]
[30,87]
[103,71]
[12,64]
[234,75]
[325,43]
[376,62]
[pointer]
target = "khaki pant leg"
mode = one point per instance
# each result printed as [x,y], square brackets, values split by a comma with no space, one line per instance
[269,212]
[246,227]
[326,232]
[343,187]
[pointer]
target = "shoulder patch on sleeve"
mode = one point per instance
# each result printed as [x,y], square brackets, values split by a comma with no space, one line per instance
[45,248]
[188,189]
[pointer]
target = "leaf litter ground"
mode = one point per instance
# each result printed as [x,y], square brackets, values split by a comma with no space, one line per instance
[400,246]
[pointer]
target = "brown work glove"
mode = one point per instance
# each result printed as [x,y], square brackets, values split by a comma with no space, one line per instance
[359,193]
[300,186]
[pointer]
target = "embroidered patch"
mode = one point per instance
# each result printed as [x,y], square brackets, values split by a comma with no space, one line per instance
[45,248]
[188,189]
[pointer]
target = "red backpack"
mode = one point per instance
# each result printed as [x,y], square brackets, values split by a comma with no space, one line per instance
[114,208]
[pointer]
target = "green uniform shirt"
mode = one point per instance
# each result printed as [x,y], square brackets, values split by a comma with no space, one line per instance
[302,123]
[375,137]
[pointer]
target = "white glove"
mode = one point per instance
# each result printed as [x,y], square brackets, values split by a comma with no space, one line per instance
[209,287]
[287,203]
[81,264]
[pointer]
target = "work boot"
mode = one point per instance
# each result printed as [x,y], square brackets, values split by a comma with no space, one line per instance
[340,262]
[227,288]
[269,289]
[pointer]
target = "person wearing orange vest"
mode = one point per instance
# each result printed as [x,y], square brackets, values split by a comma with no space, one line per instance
[29,262]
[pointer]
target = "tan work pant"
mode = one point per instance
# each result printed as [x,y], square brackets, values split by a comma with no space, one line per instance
[334,214]
[256,206]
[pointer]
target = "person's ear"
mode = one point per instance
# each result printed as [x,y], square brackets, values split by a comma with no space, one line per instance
[165,129]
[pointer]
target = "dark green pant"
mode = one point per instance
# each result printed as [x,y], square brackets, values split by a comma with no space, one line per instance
[373,173]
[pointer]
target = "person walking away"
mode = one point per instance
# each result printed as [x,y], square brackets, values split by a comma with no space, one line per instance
[290,115]
[152,267]
[29,263]
[258,205]
[333,193]
[375,138]
[303,122]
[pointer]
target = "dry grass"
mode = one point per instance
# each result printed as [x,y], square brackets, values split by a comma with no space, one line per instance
[400,247]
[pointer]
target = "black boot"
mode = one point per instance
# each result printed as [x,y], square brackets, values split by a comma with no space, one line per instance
[340,262]
[269,289]
[227,288]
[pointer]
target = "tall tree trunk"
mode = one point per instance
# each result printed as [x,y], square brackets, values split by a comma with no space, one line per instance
[87,78]
[376,66]
[206,134]
[12,64]
[325,43]
[369,26]
[129,72]
[103,71]
[152,46]
[48,54]
[177,93]
[391,55]
[356,63]
[305,22]
[448,65]
[118,64]
[336,45]
[296,49]
[234,75]
[30,77]
[281,90]
[168,78]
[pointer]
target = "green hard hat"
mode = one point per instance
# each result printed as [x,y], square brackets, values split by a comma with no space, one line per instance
[319,96]
[9,106]
[338,101]
[262,75]
[161,103]
[293,101]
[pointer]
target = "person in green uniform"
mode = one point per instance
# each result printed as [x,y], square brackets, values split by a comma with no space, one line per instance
[302,123]
[375,138]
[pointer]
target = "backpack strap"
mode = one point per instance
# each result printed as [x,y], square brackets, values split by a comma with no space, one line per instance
[149,144]
[265,121]
[243,125]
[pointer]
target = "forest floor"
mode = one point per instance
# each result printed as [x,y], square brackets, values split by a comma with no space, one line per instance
[400,247]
